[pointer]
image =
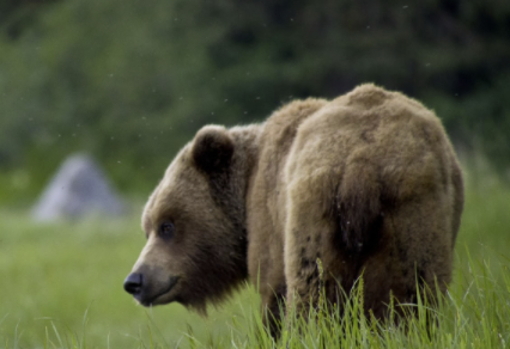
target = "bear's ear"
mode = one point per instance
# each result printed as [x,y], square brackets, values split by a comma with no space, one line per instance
[212,149]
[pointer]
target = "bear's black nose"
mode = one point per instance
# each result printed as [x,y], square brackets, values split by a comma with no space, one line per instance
[133,283]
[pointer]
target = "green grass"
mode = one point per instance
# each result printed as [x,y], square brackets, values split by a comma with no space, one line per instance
[61,287]
[55,275]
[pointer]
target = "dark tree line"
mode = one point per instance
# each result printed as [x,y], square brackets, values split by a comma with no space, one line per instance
[130,81]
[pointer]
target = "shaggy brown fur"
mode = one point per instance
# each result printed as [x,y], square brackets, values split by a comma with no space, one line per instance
[368,183]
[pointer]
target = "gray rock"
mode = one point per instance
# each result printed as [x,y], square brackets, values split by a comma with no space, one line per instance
[78,189]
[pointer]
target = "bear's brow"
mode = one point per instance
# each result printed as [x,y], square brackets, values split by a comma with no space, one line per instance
[147,225]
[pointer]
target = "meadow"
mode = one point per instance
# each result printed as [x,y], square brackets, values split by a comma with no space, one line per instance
[61,287]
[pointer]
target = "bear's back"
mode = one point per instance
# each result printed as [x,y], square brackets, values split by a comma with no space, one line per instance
[277,137]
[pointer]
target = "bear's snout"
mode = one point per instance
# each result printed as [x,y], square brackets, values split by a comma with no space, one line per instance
[133,283]
[151,288]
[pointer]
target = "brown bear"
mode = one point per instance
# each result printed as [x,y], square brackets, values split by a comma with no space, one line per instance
[366,184]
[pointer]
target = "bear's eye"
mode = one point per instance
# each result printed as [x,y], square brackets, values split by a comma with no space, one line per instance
[166,230]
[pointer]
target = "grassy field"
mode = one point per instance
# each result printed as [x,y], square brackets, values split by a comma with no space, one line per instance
[61,287]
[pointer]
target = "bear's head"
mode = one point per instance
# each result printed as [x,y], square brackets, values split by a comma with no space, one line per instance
[194,222]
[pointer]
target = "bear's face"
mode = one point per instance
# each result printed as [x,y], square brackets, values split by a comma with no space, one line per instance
[195,251]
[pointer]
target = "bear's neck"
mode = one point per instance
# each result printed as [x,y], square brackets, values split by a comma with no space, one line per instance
[244,167]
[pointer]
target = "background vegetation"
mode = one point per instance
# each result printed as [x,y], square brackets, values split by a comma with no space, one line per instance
[130,82]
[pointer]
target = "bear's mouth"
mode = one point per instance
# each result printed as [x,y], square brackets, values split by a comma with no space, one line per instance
[149,300]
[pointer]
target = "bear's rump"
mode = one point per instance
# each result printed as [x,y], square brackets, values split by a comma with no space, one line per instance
[355,205]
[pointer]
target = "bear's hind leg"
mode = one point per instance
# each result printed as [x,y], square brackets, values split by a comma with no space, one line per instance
[314,267]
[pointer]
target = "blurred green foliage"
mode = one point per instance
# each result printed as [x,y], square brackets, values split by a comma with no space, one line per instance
[131,81]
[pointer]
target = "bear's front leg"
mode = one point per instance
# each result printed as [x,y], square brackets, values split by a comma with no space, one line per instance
[265,267]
